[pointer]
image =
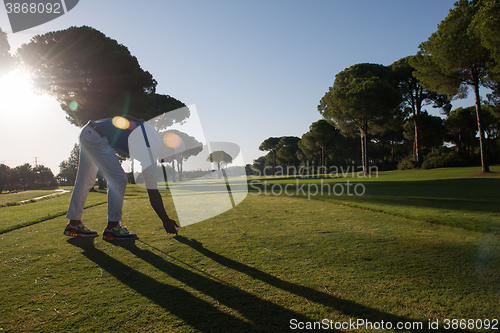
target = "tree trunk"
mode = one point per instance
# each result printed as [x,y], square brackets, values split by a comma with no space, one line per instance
[323,156]
[364,141]
[132,170]
[179,169]
[459,144]
[482,145]
[418,151]
[392,152]
[416,121]
[361,134]
[274,162]
[173,171]
[471,147]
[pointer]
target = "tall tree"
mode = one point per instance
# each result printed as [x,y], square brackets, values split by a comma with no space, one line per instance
[415,96]
[221,158]
[491,124]
[4,176]
[433,130]
[461,125]
[259,165]
[14,179]
[179,147]
[26,175]
[68,168]
[6,59]
[322,138]
[287,152]
[390,134]
[92,76]
[271,145]
[44,177]
[454,59]
[486,26]
[361,95]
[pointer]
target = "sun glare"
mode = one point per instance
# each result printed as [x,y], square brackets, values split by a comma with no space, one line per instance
[17,96]
[172,140]
[121,123]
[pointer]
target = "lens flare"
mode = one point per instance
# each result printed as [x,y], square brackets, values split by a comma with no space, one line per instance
[73,105]
[121,122]
[172,140]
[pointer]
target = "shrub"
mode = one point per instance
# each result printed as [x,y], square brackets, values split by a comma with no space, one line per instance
[444,157]
[407,163]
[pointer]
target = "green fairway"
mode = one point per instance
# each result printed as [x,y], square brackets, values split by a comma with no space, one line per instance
[452,196]
[16,216]
[271,264]
[8,199]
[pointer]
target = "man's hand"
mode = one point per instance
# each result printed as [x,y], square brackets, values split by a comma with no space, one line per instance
[170,226]
[157,204]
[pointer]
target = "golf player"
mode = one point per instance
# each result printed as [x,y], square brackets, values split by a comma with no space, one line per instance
[97,141]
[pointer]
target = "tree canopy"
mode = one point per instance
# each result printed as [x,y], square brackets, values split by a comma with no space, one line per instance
[361,95]
[454,58]
[92,76]
[178,147]
[287,152]
[415,97]
[486,26]
[321,139]
[69,167]
[6,59]
[271,145]
[221,158]
[461,125]
[433,130]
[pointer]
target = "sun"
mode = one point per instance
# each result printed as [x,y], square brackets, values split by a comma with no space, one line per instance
[17,95]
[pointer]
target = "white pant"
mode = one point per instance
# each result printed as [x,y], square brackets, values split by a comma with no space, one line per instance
[96,153]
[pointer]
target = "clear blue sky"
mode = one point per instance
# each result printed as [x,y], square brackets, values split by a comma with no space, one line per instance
[254,69]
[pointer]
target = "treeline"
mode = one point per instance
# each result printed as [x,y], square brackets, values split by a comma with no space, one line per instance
[447,142]
[25,177]
[374,114]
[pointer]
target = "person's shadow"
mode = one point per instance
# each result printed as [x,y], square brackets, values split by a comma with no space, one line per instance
[260,315]
[348,308]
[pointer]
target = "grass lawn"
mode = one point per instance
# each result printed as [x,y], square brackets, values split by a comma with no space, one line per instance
[450,196]
[7,199]
[270,263]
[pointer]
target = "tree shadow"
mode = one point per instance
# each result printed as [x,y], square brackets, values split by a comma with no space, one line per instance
[348,308]
[468,194]
[261,315]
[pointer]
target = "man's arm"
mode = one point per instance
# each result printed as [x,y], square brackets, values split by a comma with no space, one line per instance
[156,202]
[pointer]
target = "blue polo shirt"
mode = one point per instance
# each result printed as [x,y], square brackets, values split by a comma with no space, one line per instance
[117,137]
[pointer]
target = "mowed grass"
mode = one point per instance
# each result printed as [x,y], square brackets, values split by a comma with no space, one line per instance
[452,196]
[16,216]
[255,268]
[14,198]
